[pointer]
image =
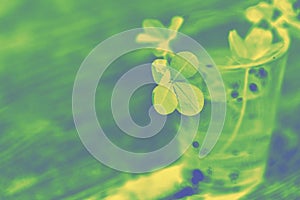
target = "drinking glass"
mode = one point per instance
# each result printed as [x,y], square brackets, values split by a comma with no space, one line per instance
[237,163]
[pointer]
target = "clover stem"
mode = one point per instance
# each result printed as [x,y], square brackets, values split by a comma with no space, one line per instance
[242,113]
[294,24]
[166,55]
[283,19]
[279,22]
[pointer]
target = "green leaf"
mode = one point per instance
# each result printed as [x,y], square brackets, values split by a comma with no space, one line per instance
[164,99]
[258,42]
[153,23]
[160,72]
[274,48]
[254,15]
[176,23]
[190,98]
[237,45]
[257,45]
[285,7]
[260,11]
[185,63]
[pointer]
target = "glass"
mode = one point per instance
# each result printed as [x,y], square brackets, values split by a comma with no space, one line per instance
[237,163]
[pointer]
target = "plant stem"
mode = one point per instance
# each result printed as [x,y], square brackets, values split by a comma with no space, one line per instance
[242,113]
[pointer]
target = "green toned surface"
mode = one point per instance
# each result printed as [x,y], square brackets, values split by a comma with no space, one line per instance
[42,45]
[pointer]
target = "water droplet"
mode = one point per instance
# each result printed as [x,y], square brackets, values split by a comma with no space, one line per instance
[252,71]
[253,87]
[209,171]
[262,73]
[234,94]
[195,144]
[187,191]
[198,175]
[235,86]
[234,175]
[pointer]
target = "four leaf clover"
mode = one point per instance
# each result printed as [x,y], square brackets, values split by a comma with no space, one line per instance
[173,90]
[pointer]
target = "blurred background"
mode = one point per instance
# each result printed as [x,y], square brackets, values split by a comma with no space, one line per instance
[43,43]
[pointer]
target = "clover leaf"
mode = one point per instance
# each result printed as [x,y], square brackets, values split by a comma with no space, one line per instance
[257,45]
[164,99]
[173,91]
[186,98]
[286,7]
[185,64]
[190,98]
[157,36]
[259,12]
[160,72]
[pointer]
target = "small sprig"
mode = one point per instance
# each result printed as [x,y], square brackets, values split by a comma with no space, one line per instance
[277,13]
[159,37]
